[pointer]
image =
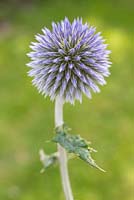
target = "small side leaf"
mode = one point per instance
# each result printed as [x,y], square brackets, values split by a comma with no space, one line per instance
[75,144]
[47,160]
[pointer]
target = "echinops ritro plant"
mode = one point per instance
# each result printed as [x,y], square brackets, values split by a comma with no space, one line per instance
[66,62]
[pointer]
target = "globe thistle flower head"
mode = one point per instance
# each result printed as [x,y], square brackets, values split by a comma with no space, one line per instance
[69,60]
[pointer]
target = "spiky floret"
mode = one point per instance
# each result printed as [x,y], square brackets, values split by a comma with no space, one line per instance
[69,60]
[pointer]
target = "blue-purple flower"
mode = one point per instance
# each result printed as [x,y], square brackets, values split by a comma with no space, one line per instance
[69,60]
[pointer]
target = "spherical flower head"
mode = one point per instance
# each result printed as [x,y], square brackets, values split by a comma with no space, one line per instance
[69,60]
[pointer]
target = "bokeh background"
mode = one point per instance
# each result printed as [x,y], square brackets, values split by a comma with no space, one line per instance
[27,119]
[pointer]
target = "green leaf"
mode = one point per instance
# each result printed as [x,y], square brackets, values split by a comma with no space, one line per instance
[47,160]
[75,144]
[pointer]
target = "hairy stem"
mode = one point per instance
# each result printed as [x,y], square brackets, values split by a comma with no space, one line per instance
[61,151]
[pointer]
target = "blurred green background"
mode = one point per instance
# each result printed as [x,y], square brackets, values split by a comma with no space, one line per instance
[27,119]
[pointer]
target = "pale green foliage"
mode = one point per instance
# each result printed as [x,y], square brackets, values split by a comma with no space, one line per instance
[75,144]
[47,160]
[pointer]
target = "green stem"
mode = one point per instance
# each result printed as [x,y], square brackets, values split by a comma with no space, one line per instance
[62,152]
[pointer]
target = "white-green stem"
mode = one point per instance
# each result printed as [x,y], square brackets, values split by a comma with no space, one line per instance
[61,151]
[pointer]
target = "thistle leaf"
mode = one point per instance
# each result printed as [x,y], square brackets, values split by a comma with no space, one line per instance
[75,144]
[47,160]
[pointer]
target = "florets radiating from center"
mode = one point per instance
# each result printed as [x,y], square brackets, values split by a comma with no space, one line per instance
[69,60]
